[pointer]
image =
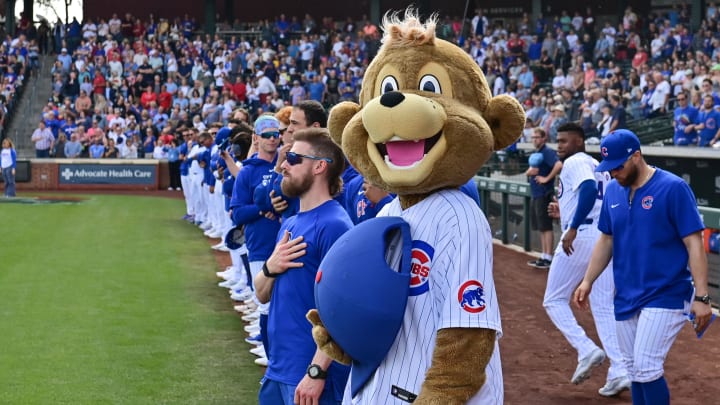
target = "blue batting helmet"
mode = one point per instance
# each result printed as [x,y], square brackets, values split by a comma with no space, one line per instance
[536,159]
[235,238]
[360,297]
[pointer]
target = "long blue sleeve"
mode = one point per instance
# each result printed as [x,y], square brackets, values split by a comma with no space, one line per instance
[244,210]
[587,194]
[14,158]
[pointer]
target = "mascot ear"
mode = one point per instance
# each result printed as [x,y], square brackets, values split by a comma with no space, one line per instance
[506,119]
[339,116]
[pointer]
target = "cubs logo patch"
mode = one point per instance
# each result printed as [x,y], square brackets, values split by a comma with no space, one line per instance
[560,188]
[422,255]
[603,151]
[471,296]
[647,202]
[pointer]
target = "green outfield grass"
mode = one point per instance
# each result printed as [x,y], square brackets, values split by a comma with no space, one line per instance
[115,300]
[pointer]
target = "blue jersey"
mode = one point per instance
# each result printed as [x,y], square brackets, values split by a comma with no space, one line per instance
[208,177]
[650,260]
[710,119]
[260,232]
[684,117]
[185,163]
[293,296]
[357,205]
[549,159]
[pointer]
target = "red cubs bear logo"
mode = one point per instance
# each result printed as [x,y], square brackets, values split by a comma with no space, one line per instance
[471,296]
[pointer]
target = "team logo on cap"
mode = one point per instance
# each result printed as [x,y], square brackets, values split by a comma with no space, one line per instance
[422,255]
[603,151]
[647,202]
[470,297]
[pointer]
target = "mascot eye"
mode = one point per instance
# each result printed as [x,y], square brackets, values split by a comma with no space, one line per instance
[388,84]
[430,84]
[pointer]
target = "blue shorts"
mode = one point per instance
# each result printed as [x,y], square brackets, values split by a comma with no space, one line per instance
[277,393]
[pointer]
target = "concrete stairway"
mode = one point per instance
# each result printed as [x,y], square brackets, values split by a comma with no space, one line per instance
[37,91]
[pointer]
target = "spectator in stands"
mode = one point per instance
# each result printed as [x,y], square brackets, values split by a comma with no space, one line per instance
[111,151]
[65,60]
[707,122]
[83,102]
[684,120]
[73,147]
[160,150]
[58,150]
[603,127]
[619,120]
[43,139]
[97,148]
[559,118]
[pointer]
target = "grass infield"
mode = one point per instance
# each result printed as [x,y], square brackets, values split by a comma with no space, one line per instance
[115,300]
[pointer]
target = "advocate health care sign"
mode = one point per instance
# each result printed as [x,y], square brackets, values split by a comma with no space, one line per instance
[107,174]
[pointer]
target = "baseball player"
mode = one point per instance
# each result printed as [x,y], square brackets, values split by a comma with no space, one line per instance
[298,372]
[453,259]
[185,174]
[652,231]
[580,193]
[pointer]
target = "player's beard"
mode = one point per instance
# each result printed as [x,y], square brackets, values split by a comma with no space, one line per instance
[296,187]
[630,178]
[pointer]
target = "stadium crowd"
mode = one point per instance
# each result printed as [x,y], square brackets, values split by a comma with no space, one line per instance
[18,58]
[224,110]
[140,83]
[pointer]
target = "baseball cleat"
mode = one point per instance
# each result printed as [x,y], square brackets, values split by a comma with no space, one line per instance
[586,364]
[261,361]
[539,264]
[258,351]
[254,340]
[615,386]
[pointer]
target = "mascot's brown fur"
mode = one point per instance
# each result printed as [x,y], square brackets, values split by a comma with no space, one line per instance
[421,89]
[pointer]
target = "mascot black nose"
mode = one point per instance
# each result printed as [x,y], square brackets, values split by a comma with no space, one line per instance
[391,99]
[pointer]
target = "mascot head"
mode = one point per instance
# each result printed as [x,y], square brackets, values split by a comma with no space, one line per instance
[426,119]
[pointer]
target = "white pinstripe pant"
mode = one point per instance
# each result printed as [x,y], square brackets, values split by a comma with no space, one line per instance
[566,272]
[646,338]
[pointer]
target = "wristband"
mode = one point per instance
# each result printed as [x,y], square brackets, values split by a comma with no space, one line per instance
[267,273]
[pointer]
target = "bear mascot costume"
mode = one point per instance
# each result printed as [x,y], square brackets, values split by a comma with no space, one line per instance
[425,124]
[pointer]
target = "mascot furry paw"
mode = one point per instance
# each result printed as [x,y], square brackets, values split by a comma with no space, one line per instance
[426,123]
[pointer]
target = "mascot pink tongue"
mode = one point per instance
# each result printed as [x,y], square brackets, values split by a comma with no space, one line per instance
[405,153]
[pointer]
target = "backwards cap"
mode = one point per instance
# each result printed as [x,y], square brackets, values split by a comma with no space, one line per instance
[266,122]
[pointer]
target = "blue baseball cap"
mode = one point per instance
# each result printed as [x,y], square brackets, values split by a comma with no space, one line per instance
[221,135]
[616,148]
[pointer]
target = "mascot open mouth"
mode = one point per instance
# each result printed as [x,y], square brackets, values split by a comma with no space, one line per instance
[402,154]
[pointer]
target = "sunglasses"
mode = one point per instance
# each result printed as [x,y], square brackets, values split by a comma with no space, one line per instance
[268,135]
[296,158]
[282,131]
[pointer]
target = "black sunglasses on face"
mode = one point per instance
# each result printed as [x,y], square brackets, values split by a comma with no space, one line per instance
[268,135]
[296,158]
